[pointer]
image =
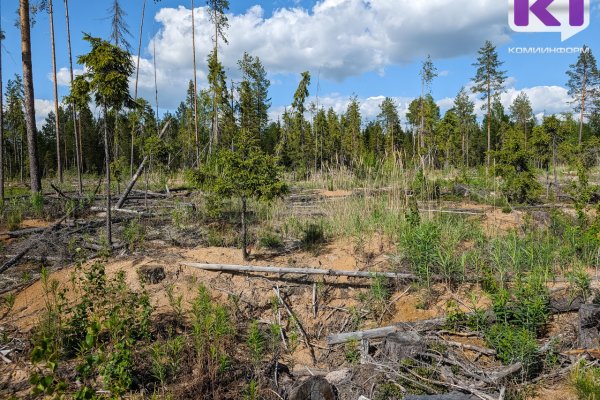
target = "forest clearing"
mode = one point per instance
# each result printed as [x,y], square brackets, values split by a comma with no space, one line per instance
[218,250]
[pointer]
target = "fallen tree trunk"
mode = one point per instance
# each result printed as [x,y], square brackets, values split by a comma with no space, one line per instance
[556,306]
[32,243]
[377,333]
[301,271]
[137,174]
[121,210]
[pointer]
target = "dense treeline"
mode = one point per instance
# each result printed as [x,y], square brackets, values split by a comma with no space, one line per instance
[306,138]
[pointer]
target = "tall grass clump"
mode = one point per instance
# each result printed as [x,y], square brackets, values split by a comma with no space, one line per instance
[585,379]
[437,245]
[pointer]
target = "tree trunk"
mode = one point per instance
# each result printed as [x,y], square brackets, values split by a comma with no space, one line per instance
[78,158]
[489,127]
[34,173]
[59,166]
[1,125]
[554,164]
[107,167]
[582,113]
[244,230]
[195,88]
[137,76]
[215,125]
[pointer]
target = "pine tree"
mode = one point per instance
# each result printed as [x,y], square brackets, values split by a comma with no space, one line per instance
[584,79]
[34,172]
[1,122]
[76,131]
[489,82]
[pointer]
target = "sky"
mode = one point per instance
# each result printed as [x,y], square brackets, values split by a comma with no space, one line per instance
[370,49]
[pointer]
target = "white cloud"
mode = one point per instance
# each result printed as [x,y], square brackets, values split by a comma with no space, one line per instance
[43,107]
[63,76]
[341,38]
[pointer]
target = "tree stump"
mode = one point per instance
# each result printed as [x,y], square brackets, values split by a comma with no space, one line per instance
[589,322]
[152,274]
[401,345]
[314,388]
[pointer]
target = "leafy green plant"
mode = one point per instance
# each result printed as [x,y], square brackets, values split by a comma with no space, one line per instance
[379,291]
[37,204]
[134,234]
[166,359]
[212,332]
[175,302]
[352,352]
[14,216]
[251,391]
[256,343]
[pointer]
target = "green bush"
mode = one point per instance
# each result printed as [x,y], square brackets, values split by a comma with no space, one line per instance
[134,234]
[513,345]
[312,235]
[270,240]
[526,306]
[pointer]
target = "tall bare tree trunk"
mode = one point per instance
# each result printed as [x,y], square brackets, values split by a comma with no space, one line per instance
[34,173]
[78,157]
[137,76]
[489,127]
[244,230]
[582,113]
[107,168]
[195,88]
[215,124]
[1,123]
[59,167]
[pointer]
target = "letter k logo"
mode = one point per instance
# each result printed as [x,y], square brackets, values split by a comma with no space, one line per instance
[539,9]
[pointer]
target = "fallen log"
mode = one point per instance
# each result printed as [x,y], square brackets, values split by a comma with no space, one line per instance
[300,327]
[22,232]
[31,244]
[556,306]
[377,333]
[120,210]
[300,271]
[137,174]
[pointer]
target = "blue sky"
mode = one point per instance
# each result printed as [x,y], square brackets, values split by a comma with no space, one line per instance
[367,48]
